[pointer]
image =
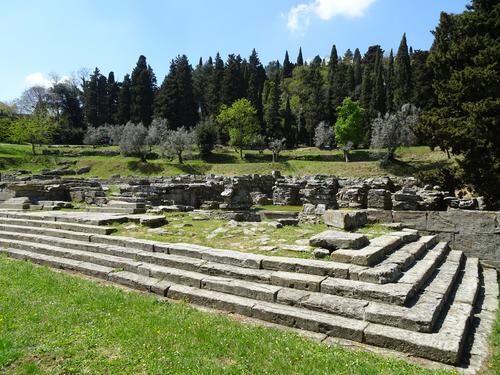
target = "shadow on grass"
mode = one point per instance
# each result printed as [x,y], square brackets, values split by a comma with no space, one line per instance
[144,168]
[402,168]
[218,158]
[356,155]
[193,169]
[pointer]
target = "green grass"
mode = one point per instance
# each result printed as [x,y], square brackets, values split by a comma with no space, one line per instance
[306,161]
[246,237]
[53,323]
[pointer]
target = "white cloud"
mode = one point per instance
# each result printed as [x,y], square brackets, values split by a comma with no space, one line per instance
[300,15]
[37,79]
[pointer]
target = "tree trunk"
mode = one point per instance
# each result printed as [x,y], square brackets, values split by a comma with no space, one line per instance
[346,156]
[181,161]
[274,157]
[448,154]
[33,149]
[241,153]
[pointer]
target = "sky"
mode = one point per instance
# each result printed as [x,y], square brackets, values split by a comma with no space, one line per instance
[40,38]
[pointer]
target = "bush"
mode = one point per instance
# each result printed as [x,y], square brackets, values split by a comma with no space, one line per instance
[133,140]
[98,136]
[206,137]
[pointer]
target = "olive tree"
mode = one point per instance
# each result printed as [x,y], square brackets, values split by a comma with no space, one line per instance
[133,140]
[323,135]
[177,142]
[276,146]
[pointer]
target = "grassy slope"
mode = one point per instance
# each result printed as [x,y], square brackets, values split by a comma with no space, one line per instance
[226,162]
[54,323]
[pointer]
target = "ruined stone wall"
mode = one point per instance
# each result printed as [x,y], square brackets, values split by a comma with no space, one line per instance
[476,233]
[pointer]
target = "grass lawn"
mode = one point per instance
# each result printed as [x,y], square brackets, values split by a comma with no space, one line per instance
[306,161]
[53,323]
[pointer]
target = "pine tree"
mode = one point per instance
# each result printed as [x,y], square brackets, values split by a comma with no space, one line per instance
[175,99]
[124,101]
[256,79]
[233,81]
[287,66]
[214,97]
[300,59]
[142,90]
[402,74]
[389,84]
[112,95]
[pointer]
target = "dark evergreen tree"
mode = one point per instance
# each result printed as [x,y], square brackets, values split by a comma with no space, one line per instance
[300,59]
[124,101]
[214,97]
[378,98]
[273,115]
[142,90]
[175,99]
[313,98]
[287,66]
[68,113]
[201,80]
[102,100]
[402,74]
[332,82]
[464,59]
[357,67]
[389,84]
[424,96]
[289,128]
[233,84]
[256,79]
[112,97]
[90,98]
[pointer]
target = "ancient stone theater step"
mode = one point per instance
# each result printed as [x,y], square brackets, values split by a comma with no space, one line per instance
[419,297]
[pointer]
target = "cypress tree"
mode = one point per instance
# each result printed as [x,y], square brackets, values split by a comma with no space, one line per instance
[300,59]
[142,89]
[289,129]
[273,117]
[201,84]
[112,94]
[402,74]
[102,100]
[389,84]
[256,79]
[314,111]
[90,98]
[214,97]
[333,81]
[424,96]
[357,72]
[377,104]
[287,66]
[124,100]
[233,87]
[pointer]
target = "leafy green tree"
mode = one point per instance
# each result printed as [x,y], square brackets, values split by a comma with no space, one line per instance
[142,90]
[349,125]
[124,101]
[464,59]
[241,122]
[402,72]
[36,129]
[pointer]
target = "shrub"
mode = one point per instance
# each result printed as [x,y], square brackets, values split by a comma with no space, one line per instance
[206,137]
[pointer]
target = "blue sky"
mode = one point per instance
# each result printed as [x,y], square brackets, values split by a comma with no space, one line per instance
[62,36]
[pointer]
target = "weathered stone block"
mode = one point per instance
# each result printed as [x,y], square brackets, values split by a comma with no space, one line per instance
[347,220]
[411,219]
[333,240]
[379,198]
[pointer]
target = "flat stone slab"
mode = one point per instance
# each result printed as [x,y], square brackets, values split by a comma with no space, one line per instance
[333,240]
[347,220]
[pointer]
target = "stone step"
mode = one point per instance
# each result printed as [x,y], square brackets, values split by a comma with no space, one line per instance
[422,315]
[377,249]
[444,345]
[392,267]
[67,217]
[117,210]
